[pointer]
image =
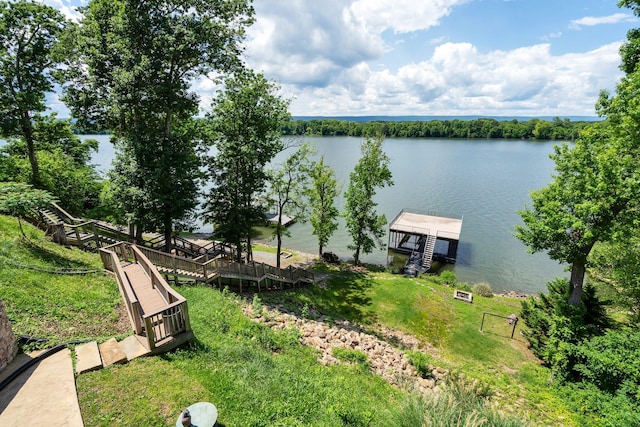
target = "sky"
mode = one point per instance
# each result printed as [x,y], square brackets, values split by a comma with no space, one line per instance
[432,57]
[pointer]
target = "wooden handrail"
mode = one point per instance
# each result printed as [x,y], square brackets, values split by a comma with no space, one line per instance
[63,213]
[126,292]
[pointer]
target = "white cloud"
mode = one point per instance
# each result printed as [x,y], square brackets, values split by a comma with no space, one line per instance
[402,16]
[590,21]
[310,43]
[550,36]
[66,8]
[302,42]
[459,80]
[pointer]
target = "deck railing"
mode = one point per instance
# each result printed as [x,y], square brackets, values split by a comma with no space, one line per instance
[111,263]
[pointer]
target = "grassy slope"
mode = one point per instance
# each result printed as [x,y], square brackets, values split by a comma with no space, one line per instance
[58,307]
[426,309]
[256,376]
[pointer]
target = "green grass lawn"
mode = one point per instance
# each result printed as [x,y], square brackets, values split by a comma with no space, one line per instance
[257,376]
[425,309]
[254,375]
[58,307]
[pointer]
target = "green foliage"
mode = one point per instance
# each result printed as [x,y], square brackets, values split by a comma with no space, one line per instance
[351,355]
[322,195]
[582,205]
[462,403]
[256,303]
[135,66]
[554,324]
[463,286]
[616,265]
[482,289]
[605,379]
[610,362]
[363,223]
[630,49]
[21,200]
[556,129]
[243,126]
[305,312]
[448,277]
[422,362]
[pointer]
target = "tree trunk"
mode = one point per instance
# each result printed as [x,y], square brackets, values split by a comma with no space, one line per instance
[320,250]
[279,236]
[27,130]
[238,249]
[139,239]
[356,256]
[249,249]
[168,246]
[577,279]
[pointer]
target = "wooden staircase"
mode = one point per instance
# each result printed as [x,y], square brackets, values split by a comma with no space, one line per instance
[427,255]
[158,314]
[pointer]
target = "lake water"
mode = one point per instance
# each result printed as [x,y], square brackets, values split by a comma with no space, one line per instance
[486,181]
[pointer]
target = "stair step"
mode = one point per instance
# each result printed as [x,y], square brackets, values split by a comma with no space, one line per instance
[87,357]
[133,348]
[111,353]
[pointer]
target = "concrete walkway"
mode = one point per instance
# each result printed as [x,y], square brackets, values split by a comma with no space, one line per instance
[44,395]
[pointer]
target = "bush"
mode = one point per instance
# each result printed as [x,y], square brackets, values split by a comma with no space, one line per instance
[448,278]
[463,286]
[483,289]
[610,361]
[422,363]
[554,324]
[461,403]
[350,356]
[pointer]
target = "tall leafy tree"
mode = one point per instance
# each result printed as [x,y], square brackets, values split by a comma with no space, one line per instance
[288,185]
[245,129]
[30,55]
[588,198]
[593,195]
[322,194]
[137,61]
[363,223]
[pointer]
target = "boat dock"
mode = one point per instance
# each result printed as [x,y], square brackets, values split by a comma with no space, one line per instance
[425,238]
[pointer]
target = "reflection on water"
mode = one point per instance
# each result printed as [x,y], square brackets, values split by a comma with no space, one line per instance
[486,181]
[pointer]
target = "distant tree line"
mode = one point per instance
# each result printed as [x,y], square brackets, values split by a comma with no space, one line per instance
[486,128]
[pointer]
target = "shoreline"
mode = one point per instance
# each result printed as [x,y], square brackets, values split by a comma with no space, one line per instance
[302,258]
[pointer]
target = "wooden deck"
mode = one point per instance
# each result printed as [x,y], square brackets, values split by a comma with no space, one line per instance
[412,223]
[150,298]
[425,238]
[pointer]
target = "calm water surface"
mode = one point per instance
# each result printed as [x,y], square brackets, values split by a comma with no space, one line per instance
[486,181]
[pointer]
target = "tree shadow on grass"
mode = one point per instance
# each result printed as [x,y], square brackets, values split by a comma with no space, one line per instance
[51,258]
[347,296]
[344,295]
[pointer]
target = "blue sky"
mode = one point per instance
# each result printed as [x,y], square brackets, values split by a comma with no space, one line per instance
[434,57]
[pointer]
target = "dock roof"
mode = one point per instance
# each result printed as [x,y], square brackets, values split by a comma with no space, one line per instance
[412,223]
